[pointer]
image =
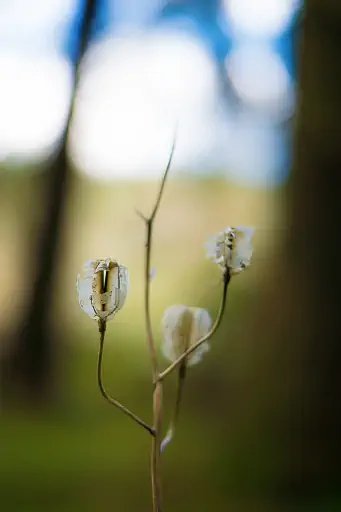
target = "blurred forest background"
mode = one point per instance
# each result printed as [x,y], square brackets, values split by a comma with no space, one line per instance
[89,95]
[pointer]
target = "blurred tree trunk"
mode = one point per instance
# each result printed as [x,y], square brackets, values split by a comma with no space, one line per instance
[28,373]
[313,249]
[299,318]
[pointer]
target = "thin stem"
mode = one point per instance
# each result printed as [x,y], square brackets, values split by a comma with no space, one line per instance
[150,339]
[112,401]
[163,181]
[179,389]
[158,389]
[149,221]
[215,326]
[156,448]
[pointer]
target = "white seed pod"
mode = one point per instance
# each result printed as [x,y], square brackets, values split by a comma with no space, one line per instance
[102,288]
[182,327]
[232,248]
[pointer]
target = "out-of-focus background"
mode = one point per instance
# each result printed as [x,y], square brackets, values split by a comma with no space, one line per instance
[126,72]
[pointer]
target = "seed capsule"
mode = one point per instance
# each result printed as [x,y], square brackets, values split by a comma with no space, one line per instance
[102,288]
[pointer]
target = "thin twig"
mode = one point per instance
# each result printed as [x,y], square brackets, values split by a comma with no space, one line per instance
[163,182]
[179,389]
[156,448]
[149,222]
[215,326]
[113,401]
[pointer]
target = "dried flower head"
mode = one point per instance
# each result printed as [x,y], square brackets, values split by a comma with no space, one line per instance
[182,327]
[232,248]
[102,288]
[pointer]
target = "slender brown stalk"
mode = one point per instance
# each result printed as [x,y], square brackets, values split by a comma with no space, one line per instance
[183,367]
[179,389]
[150,340]
[215,326]
[149,222]
[158,387]
[111,400]
[156,448]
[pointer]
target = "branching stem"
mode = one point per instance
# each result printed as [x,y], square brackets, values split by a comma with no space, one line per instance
[111,400]
[167,371]
[179,390]
[149,222]
[158,391]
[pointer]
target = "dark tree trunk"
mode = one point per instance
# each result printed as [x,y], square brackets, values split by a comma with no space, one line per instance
[314,244]
[300,310]
[28,371]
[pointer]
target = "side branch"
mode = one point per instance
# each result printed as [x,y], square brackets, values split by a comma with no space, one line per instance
[103,391]
[163,182]
[179,389]
[215,326]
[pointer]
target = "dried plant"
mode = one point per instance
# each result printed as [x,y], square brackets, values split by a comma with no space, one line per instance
[102,289]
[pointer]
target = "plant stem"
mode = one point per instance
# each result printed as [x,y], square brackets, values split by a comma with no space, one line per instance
[150,340]
[149,222]
[111,400]
[157,395]
[167,371]
[179,390]
[156,448]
